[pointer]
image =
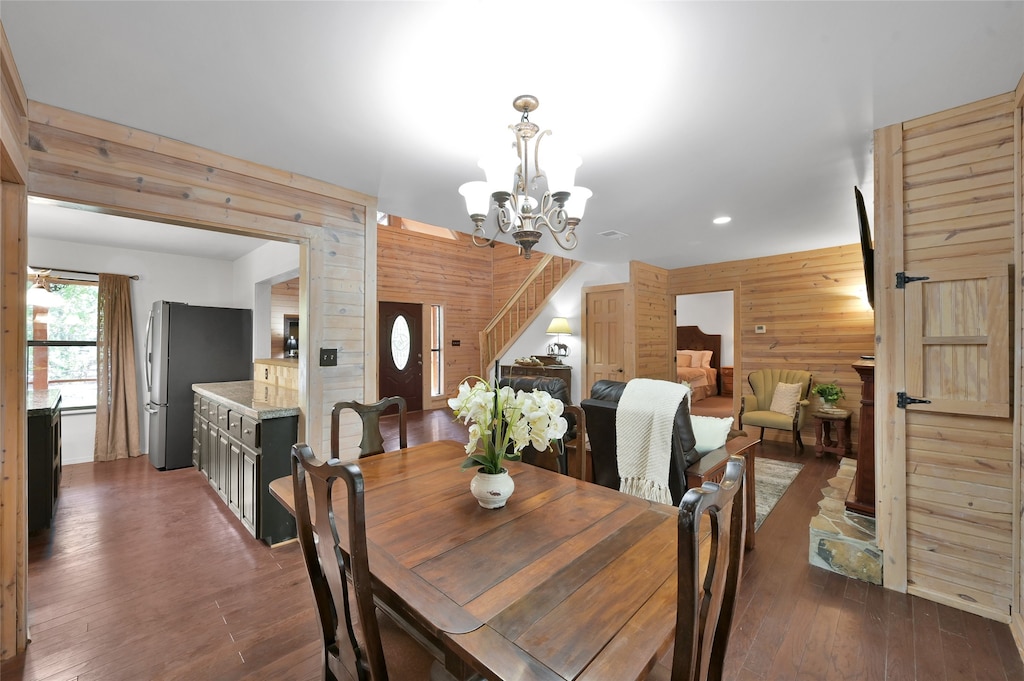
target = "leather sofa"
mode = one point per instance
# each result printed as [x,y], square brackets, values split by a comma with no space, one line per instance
[600,410]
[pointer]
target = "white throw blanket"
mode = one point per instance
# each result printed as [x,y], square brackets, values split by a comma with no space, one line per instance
[643,441]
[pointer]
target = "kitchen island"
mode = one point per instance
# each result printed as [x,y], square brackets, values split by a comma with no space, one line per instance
[242,434]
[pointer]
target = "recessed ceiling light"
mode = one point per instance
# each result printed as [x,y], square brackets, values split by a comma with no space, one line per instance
[722,220]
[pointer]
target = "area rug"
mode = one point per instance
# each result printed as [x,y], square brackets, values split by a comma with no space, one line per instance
[771,480]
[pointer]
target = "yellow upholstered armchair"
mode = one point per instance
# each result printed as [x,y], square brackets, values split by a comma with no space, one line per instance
[779,401]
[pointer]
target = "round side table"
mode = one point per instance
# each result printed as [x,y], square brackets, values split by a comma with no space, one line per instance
[825,440]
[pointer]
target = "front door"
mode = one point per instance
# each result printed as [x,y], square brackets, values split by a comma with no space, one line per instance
[401,352]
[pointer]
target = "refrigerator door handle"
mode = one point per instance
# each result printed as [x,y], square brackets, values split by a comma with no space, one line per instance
[151,410]
[149,355]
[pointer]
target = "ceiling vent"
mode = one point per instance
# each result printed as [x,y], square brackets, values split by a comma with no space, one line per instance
[613,234]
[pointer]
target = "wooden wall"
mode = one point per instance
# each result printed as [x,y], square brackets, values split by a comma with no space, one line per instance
[13,421]
[284,299]
[948,202]
[810,303]
[655,316]
[465,280]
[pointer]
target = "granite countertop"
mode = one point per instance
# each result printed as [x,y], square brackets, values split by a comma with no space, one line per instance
[255,400]
[41,401]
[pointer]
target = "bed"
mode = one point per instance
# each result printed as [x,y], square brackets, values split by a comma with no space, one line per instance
[692,347]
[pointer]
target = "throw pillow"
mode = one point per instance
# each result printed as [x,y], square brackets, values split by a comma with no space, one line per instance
[682,359]
[705,358]
[785,398]
[710,432]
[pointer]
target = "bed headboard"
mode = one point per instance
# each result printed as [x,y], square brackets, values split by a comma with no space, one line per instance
[692,338]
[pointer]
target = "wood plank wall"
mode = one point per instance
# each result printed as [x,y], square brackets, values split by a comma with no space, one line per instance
[13,421]
[284,299]
[458,276]
[655,322]
[953,180]
[810,303]
[509,269]
[1018,340]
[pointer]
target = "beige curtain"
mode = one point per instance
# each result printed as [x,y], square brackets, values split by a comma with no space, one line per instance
[117,407]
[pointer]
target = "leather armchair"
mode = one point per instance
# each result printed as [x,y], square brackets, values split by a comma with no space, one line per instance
[557,388]
[600,409]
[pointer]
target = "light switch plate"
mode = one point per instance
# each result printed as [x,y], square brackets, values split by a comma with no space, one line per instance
[328,357]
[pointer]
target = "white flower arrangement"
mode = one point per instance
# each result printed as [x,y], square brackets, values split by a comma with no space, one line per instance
[503,422]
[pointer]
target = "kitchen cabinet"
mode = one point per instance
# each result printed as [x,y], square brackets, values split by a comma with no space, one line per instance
[44,466]
[239,445]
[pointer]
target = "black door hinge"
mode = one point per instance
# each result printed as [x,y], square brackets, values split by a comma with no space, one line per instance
[902,279]
[902,400]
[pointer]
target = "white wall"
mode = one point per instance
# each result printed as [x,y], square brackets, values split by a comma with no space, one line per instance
[253,275]
[198,281]
[713,313]
[567,302]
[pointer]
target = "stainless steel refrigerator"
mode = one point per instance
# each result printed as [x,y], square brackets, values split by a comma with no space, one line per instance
[188,344]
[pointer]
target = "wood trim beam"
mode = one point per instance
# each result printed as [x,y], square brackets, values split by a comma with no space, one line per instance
[890,423]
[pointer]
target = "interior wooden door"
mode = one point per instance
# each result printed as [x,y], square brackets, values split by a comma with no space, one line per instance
[401,352]
[605,340]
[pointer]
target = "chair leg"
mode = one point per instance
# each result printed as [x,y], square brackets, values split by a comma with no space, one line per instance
[798,443]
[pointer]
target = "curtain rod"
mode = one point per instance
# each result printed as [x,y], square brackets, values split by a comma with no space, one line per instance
[62,269]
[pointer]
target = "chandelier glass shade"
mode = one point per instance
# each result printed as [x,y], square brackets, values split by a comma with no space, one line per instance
[542,194]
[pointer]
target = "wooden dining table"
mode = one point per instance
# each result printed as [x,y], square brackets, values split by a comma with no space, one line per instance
[570,580]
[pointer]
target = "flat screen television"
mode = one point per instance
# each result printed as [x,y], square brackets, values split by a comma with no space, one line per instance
[867,249]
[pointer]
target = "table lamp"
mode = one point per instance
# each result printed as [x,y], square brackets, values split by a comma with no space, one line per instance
[557,327]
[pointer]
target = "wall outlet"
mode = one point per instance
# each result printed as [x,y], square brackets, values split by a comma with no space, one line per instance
[328,357]
[760,328]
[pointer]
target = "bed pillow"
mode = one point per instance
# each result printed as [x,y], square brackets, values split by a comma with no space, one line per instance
[705,358]
[683,359]
[694,356]
[785,398]
[710,432]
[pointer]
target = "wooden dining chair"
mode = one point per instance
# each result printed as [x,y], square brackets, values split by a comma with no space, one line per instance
[706,603]
[349,643]
[372,441]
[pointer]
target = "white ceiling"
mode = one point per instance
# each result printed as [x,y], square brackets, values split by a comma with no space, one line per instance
[681,111]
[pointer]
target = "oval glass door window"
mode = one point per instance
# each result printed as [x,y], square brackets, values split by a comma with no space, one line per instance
[400,342]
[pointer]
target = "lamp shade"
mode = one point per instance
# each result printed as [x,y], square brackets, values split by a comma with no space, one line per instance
[559,325]
[478,197]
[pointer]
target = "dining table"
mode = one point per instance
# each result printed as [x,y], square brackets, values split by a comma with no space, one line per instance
[570,580]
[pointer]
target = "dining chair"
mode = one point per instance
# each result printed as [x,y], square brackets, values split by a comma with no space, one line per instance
[351,641]
[372,441]
[706,602]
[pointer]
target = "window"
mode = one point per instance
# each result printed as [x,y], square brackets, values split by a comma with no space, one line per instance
[436,379]
[62,343]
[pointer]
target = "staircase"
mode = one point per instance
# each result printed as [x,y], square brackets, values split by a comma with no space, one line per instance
[523,307]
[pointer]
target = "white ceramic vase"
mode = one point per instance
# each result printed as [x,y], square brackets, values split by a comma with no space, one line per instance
[492,490]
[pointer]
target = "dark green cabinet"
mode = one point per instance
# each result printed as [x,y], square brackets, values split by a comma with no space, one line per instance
[239,456]
[44,467]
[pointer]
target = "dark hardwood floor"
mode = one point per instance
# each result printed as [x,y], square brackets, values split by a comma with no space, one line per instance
[147,576]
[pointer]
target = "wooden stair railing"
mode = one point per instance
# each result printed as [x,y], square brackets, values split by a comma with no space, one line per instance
[522,307]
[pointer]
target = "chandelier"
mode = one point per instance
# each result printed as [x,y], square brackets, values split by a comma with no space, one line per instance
[525,210]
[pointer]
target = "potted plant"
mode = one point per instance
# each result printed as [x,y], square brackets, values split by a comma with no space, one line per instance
[502,423]
[830,393]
